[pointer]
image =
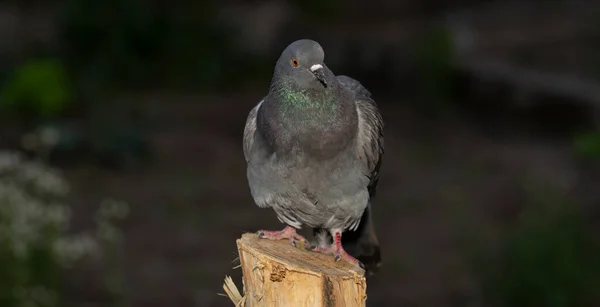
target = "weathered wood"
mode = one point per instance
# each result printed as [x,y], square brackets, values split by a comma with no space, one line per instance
[279,274]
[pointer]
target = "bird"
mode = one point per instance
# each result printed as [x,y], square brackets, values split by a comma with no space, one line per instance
[313,148]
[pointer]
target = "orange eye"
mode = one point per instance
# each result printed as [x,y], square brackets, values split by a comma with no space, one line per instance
[295,62]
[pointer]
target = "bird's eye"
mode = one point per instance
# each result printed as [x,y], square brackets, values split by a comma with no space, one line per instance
[295,62]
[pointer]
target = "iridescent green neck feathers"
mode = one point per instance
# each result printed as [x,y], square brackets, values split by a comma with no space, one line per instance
[310,102]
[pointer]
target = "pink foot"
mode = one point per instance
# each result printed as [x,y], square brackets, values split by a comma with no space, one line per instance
[287,233]
[338,251]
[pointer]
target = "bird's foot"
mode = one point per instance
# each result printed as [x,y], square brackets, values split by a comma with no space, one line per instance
[287,233]
[337,250]
[339,254]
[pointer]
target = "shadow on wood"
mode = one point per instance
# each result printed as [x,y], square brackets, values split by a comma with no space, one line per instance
[279,274]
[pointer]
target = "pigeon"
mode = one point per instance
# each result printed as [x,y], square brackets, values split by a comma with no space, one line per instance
[313,147]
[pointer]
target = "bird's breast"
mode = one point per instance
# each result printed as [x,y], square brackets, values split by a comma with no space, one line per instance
[320,139]
[322,128]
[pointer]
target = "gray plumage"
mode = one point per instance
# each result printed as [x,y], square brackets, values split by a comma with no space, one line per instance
[313,147]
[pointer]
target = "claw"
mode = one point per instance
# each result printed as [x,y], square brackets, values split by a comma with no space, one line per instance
[337,250]
[287,233]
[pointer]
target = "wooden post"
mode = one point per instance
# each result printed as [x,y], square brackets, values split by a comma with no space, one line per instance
[279,274]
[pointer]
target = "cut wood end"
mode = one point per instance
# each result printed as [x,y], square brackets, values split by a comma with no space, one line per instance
[298,259]
[232,291]
[275,273]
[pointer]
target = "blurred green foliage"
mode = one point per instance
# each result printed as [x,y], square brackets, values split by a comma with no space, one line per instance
[40,87]
[135,43]
[122,45]
[549,259]
[32,222]
[587,145]
[434,57]
[30,280]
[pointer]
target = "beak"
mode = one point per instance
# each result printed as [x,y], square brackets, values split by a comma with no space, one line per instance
[317,70]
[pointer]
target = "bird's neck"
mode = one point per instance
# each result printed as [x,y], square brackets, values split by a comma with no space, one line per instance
[295,104]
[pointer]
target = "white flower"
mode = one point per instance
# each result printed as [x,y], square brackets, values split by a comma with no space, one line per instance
[49,136]
[8,161]
[71,249]
[33,215]
[44,180]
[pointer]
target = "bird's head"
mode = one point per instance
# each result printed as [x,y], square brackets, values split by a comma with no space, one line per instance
[302,63]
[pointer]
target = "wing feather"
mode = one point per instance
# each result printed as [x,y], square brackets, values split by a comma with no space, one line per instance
[370,146]
[370,129]
[250,130]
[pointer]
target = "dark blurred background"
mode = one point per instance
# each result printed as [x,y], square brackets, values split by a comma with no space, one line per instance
[122,178]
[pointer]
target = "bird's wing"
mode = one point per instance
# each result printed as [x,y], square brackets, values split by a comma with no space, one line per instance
[370,145]
[250,129]
[363,243]
[354,86]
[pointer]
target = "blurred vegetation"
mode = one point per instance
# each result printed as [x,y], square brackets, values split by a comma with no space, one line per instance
[118,46]
[434,57]
[35,248]
[113,137]
[135,44]
[587,145]
[550,258]
[38,88]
